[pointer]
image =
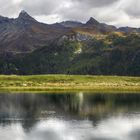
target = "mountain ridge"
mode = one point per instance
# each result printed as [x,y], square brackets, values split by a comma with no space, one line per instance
[30,47]
[25,34]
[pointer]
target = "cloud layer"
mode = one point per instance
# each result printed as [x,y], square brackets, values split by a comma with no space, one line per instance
[116,12]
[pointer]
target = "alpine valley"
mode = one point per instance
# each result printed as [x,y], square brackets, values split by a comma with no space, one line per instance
[70,47]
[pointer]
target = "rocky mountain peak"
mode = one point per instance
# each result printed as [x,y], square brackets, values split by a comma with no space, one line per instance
[24,16]
[92,21]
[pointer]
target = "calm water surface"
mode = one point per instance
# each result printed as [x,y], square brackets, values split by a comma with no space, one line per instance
[76,116]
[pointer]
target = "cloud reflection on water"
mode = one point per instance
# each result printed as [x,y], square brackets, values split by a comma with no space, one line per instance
[114,128]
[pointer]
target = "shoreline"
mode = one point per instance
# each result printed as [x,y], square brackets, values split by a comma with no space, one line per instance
[68,83]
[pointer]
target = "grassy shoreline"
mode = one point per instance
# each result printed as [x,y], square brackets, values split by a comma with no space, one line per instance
[66,83]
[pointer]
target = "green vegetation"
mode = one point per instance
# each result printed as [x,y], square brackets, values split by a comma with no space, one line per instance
[65,83]
[113,54]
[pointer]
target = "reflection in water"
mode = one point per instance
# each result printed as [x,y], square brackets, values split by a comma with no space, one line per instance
[69,117]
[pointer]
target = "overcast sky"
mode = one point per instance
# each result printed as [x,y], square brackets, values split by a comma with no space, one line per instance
[115,12]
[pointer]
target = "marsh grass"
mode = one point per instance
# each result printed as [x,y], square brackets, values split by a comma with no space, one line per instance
[43,83]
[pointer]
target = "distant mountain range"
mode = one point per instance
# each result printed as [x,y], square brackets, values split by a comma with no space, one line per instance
[25,34]
[70,47]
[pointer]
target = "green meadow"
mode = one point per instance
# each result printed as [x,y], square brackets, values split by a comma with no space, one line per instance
[56,83]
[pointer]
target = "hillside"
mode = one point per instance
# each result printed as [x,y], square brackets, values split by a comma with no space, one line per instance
[70,47]
[24,34]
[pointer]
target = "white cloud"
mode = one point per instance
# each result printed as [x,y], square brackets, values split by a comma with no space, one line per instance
[48,19]
[17,1]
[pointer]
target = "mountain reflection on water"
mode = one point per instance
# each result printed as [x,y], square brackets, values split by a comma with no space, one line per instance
[70,116]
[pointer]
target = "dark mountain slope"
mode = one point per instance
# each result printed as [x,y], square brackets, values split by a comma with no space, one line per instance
[24,34]
[71,24]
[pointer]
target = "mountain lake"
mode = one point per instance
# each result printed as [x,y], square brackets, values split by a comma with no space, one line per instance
[69,116]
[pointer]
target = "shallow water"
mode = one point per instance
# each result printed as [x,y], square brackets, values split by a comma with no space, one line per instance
[69,116]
